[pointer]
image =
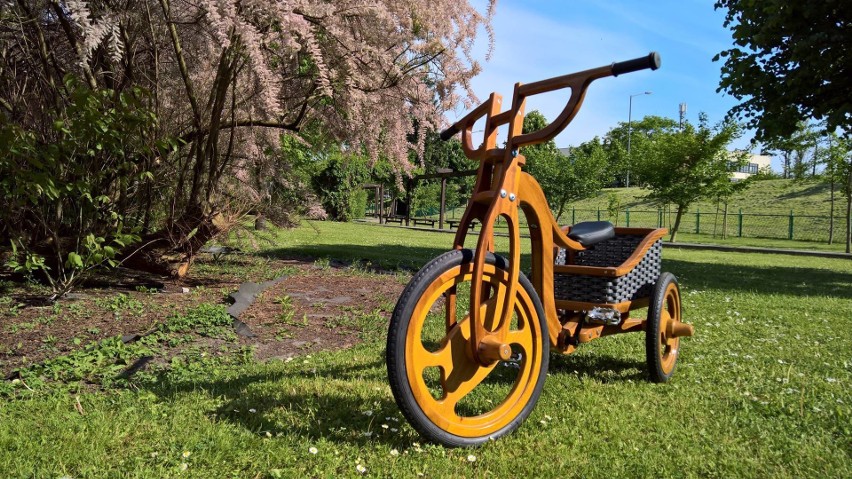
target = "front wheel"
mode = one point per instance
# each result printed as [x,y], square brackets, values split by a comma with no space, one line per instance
[448,396]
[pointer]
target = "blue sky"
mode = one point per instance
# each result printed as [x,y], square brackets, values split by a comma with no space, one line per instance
[538,39]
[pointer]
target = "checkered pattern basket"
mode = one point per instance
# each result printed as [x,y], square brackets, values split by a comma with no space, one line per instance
[636,284]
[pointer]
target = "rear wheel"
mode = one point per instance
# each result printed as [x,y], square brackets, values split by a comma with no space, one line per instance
[447,395]
[661,346]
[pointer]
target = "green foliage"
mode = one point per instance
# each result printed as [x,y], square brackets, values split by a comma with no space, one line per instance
[564,179]
[437,155]
[690,164]
[426,198]
[340,185]
[66,191]
[788,64]
[643,134]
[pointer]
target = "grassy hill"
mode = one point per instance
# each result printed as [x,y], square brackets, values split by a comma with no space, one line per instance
[766,208]
[762,197]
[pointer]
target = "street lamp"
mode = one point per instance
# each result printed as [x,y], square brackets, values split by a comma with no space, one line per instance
[629,130]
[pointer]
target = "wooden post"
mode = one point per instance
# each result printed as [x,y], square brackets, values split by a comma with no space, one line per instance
[410,186]
[381,204]
[443,202]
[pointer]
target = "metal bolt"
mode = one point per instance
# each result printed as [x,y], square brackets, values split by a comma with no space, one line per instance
[512,197]
[502,193]
[514,153]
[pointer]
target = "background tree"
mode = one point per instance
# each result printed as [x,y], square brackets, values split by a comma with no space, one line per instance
[564,179]
[838,172]
[689,164]
[227,78]
[789,63]
[643,134]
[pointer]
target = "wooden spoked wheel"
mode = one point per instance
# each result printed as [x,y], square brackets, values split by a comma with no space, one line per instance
[661,345]
[448,395]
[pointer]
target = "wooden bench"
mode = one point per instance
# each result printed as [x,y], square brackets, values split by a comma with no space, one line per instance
[394,219]
[455,224]
[424,221]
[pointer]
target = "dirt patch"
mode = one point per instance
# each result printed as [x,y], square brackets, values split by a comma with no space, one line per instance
[320,309]
[314,308]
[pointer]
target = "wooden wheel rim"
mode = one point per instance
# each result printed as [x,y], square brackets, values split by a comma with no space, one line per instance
[669,316]
[455,362]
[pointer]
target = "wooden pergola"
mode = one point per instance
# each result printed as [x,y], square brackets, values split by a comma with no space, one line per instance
[442,173]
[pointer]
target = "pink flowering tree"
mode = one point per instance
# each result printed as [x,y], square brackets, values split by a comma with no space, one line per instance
[227,78]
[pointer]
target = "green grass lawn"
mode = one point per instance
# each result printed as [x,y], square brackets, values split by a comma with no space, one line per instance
[761,390]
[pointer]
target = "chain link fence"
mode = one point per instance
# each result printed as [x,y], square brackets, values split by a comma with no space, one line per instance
[715,224]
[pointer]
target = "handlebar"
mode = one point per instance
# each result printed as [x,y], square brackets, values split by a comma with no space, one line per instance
[578,82]
[651,61]
[449,132]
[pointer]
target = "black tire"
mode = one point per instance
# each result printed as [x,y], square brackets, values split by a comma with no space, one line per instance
[398,335]
[661,352]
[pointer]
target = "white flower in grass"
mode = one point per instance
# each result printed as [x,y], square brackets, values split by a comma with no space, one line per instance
[471,458]
[368,413]
[313,450]
[185,454]
[831,380]
[252,410]
[385,426]
[361,469]
[184,466]
[394,452]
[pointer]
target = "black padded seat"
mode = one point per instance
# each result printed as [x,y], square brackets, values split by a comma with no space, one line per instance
[589,233]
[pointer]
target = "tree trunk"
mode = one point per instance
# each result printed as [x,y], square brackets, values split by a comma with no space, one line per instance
[725,222]
[171,250]
[831,213]
[849,220]
[677,223]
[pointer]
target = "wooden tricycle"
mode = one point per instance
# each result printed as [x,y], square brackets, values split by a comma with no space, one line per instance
[470,337]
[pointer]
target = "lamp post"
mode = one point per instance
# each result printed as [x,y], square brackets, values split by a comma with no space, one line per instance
[629,131]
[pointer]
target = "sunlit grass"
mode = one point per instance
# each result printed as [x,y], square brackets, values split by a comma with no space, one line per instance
[761,390]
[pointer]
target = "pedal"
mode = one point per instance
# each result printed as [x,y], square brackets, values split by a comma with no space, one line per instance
[605,316]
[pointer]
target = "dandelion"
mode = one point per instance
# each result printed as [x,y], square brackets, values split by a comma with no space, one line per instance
[185,454]
[394,452]
[184,466]
[313,450]
[361,469]
[471,458]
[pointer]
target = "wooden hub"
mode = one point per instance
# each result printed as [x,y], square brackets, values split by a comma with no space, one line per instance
[492,350]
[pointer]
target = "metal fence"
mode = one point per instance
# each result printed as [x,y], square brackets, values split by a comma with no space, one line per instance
[717,224]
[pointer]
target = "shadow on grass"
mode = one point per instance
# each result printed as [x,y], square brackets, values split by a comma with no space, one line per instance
[601,368]
[782,280]
[256,402]
[388,256]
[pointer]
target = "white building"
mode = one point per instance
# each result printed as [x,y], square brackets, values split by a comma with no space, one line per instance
[755,164]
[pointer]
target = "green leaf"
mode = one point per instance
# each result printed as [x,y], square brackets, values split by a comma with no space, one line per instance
[75,260]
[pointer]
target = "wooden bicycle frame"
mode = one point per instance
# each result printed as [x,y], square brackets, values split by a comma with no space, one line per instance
[501,188]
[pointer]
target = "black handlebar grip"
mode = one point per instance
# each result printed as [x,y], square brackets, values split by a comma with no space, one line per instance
[651,61]
[449,133]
